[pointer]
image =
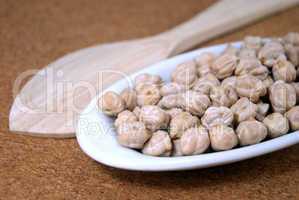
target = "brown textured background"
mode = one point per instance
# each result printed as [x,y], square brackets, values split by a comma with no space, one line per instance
[35,32]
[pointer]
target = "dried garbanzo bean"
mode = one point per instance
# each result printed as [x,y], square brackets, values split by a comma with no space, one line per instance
[185,74]
[148,79]
[130,98]
[158,145]
[277,124]
[293,117]
[244,109]
[195,103]
[148,94]
[204,84]
[253,42]
[270,52]
[252,67]
[172,88]
[111,103]
[217,115]
[125,117]
[224,66]
[223,96]
[223,138]
[182,122]
[251,132]
[284,70]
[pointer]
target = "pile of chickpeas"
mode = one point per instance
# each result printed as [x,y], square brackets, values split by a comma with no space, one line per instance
[214,102]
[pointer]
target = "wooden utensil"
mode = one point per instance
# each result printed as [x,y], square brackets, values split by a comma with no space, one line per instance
[48,105]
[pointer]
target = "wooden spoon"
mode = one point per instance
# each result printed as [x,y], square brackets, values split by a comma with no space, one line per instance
[48,105]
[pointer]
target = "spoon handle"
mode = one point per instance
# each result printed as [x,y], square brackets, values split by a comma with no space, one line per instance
[220,18]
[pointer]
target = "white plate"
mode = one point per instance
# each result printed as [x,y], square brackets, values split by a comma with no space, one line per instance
[96,135]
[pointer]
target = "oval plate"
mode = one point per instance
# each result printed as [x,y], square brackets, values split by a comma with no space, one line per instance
[96,135]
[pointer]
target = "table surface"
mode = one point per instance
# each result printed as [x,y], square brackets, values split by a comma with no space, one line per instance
[34,33]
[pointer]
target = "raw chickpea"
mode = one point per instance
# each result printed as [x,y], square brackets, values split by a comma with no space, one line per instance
[224,66]
[158,145]
[195,103]
[195,141]
[148,79]
[253,67]
[250,87]
[125,117]
[282,96]
[251,132]
[111,103]
[223,96]
[268,82]
[177,150]
[296,87]
[136,111]
[133,135]
[205,58]
[262,110]
[204,84]
[223,137]
[292,38]
[217,115]
[277,124]
[293,117]
[130,98]
[148,94]
[174,112]
[284,70]
[270,52]
[172,88]
[253,42]
[182,122]
[229,82]
[246,53]
[185,74]
[154,117]
[244,109]
[292,53]
[171,101]
[230,50]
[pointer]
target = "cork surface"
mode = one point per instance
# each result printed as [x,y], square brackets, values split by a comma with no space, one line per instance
[34,33]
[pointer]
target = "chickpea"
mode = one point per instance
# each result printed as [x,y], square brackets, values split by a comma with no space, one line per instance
[185,74]
[292,38]
[195,141]
[204,70]
[250,87]
[270,52]
[229,82]
[177,150]
[224,66]
[130,98]
[284,70]
[296,87]
[205,58]
[244,109]
[136,111]
[223,137]
[195,103]
[171,101]
[253,67]
[223,96]
[147,94]
[133,135]
[172,88]
[262,110]
[111,103]
[158,145]
[154,117]
[217,115]
[251,132]
[282,96]
[231,50]
[174,112]
[204,84]
[125,117]
[293,117]
[182,122]
[253,42]
[246,53]
[277,124]
[148,79]
[268,82]
[292,53]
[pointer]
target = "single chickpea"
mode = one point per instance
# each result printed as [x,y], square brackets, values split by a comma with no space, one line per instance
[182,122]
[195,141]
[277,124]
[231,50]
[296,87]
[246,53]
[250,87]
[292,53]
[174,112]
[148,79]
[204,62]
[284,70]
[224,66]
[292,38]
[253,42]
[204,84]
[154,117]
[293,117]
[229,82]
[223,96]
[125,116]
[132,135]
[282,96]
[252,67]
[148,94]
[223,137]
[158,145]
[217,115]
[270,52]
[171,101]
[177,150]
[185,74]
[262,110]
[172,88]
[251,132]
[244,109]
[195,103]
[130,98]
[111,103]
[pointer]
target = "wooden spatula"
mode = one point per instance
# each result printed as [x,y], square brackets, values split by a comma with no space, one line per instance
[48,105]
